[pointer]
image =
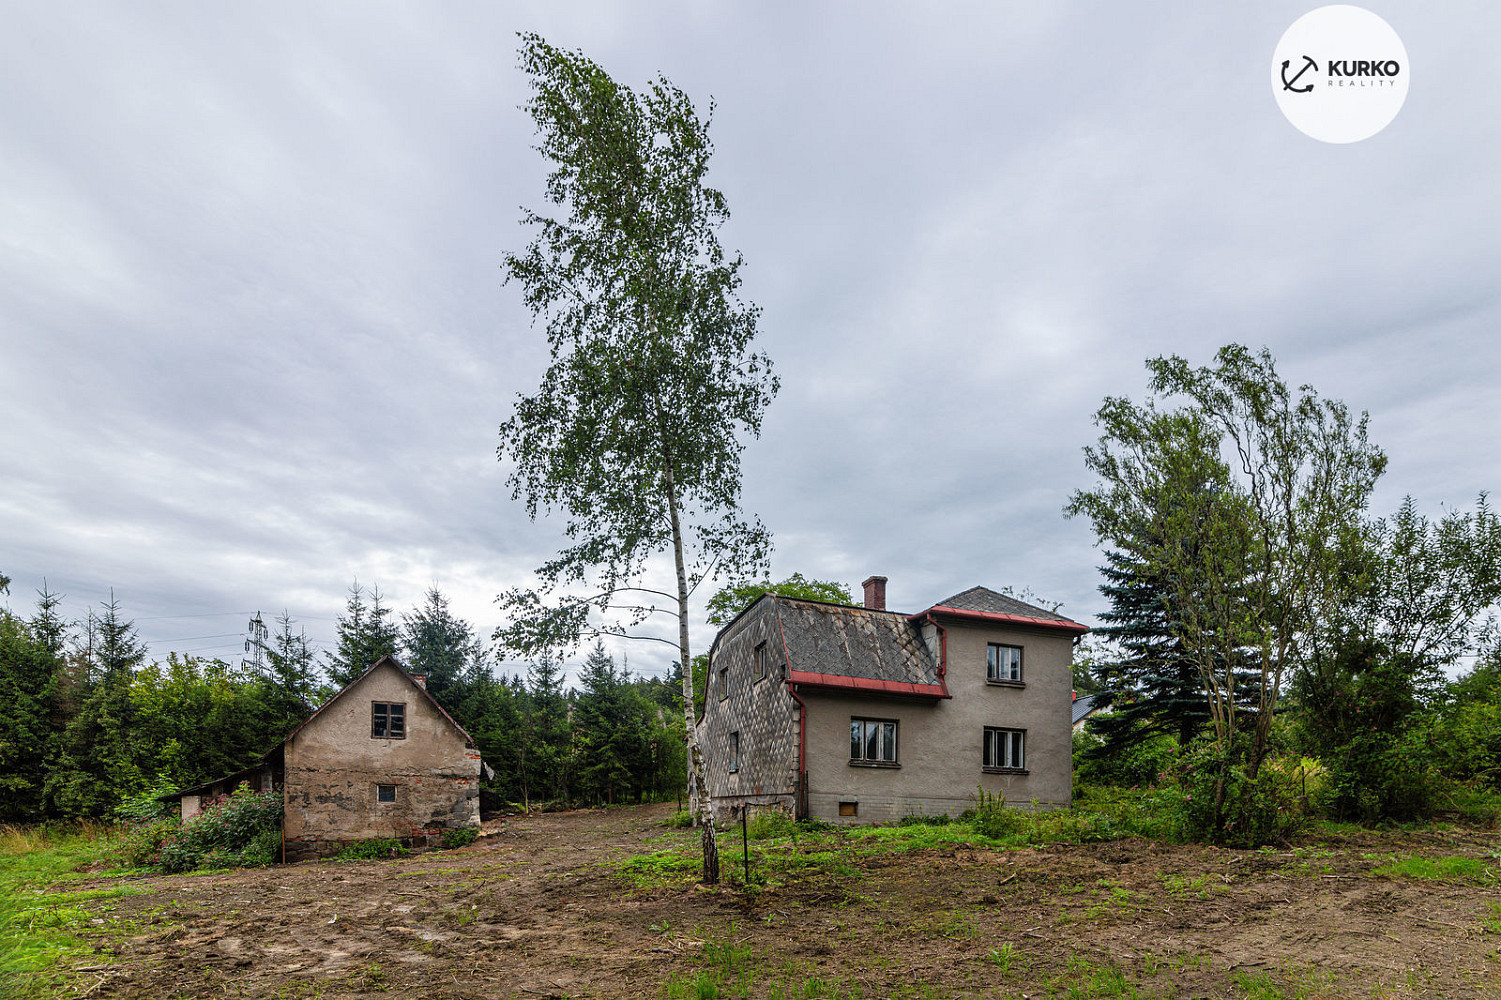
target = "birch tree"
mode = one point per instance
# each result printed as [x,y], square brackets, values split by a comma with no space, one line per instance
[635,434]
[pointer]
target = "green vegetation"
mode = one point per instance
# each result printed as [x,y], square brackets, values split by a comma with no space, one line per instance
[462,837]
[38,927]
[1457,871]
[1260,620]
[373,849]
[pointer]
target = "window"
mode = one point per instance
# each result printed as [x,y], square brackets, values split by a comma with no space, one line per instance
[724,683]
[849,808]
[1003,664]
[1005,749]
[385,793]
[388,720]
[872,741]
[760,659]
[734,751]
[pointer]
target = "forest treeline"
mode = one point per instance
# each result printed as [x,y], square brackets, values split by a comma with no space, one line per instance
[93,723]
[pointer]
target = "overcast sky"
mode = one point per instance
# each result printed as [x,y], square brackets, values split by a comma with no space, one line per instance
[255,345]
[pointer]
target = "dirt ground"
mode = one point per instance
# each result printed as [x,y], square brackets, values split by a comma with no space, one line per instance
[539,907]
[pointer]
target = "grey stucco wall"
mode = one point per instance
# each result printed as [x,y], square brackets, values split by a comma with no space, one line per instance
[940,744]
[759,709]
[333,766]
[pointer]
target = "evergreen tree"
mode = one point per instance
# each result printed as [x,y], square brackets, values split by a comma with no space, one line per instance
[292,676]
[1154,687]
[29,670]
[611,732]
[365,635]
[94,766]
[546,746]
[439,646]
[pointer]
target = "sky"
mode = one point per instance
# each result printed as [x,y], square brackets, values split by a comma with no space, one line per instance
[255,341]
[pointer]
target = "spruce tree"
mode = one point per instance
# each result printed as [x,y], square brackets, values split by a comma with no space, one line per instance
[365,635]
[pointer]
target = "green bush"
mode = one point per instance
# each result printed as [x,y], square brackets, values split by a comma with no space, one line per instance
[991,817]
[918,819]
[146,806]
[462,837]
[142,842]
[372,850]
[767,825]
[1222,804]
[234,831]
[1139,762]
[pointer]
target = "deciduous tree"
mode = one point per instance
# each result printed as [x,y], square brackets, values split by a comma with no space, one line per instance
[636,430]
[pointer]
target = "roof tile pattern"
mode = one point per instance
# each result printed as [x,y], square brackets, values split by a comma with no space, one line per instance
[854,642]
[985,599]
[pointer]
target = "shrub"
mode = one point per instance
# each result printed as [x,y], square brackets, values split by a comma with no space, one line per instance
[240,829]
[682,819]
[462,837]
[918,819]
[991,818]
[1222,804]
[372,850]
[766,825]
[146,806]
[139,847]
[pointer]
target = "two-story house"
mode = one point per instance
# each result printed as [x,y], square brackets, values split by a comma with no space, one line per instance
[859,714]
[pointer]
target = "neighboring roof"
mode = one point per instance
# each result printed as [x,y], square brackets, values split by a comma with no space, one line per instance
[982,603]
[1084,707]
[235,777]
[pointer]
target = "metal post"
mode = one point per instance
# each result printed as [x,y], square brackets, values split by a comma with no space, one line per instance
[745,841]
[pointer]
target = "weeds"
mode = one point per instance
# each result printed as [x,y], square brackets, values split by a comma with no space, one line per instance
[372,850]
[1459,871]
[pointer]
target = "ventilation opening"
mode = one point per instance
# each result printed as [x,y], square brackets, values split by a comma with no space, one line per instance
[849,808]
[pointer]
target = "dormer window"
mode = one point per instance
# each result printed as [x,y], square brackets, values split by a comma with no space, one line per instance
[388,720]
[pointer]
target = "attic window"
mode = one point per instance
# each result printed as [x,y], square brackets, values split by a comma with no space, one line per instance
[760,658]
[388,720]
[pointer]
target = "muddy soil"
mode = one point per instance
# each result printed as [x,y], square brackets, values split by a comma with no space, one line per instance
[540,908]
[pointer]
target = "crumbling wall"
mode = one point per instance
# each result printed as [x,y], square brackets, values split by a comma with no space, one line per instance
[335,770]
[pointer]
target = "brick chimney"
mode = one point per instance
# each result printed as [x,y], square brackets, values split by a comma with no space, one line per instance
[875,593]
[421,680]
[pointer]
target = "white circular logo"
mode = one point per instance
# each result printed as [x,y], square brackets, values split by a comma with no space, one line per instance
[1340,74]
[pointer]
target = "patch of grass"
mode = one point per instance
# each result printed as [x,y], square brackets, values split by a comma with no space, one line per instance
[37,927]
[1453,870]
[1492,924]
[680,820]
[661,869]
[1258,986]
[1001,957]
[372,850]
[462,837]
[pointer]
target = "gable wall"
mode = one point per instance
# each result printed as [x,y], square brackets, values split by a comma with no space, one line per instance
[333,766]
[761,711]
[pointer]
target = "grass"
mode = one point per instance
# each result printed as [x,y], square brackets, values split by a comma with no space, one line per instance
[1451,870]
[36,926]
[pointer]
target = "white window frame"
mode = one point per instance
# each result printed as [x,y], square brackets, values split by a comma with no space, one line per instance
[859,753]
[1004,750]
[997,672]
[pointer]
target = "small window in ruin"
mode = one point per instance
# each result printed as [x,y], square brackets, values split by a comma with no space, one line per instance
[760,658]
[734,751]
[388,720]
[385,793]
[849,808]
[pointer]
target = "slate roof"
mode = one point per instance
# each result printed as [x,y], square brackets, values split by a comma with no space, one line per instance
[987,600]
[837,639]
[1084,707]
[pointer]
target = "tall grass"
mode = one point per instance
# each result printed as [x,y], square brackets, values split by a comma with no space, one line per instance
[36,927]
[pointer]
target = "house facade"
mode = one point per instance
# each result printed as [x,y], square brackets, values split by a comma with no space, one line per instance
[857,714]
[381,759]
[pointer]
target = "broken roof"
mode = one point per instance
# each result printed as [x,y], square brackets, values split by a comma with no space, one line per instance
[828,641]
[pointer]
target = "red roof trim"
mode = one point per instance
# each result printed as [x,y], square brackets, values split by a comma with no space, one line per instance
[841,682]
[1062,624]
